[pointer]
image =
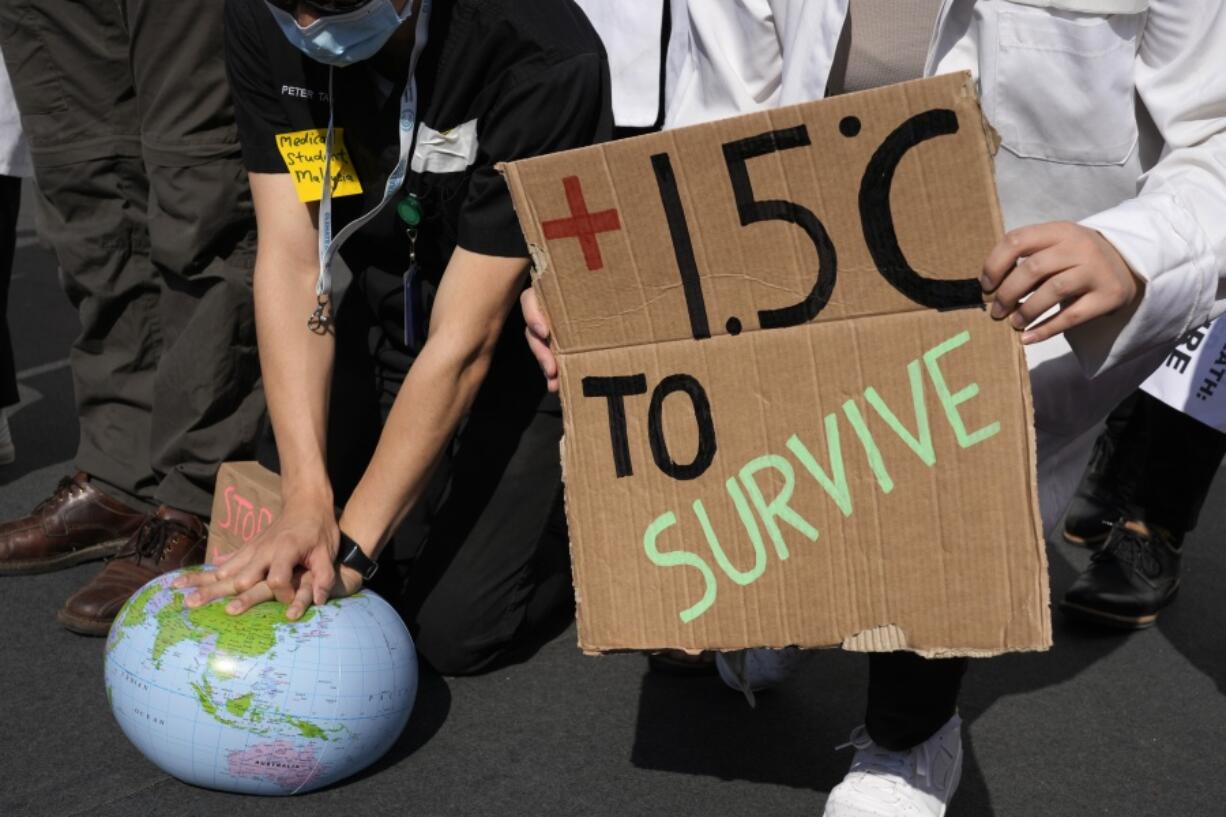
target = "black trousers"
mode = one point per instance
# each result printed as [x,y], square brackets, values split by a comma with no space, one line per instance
[144,198]
[909,697]
[10,204]
[1160,462]
[480,569]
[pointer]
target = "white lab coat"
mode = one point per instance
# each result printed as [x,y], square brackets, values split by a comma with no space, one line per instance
[631,32]
[1112,113]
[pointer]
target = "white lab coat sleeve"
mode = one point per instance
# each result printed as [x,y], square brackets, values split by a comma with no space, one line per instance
[631,35]
[1173,233]
[808,33]
[723,60]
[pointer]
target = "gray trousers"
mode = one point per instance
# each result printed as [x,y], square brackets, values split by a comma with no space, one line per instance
[144,198]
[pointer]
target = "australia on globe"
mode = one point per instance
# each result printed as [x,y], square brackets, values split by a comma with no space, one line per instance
[257,703]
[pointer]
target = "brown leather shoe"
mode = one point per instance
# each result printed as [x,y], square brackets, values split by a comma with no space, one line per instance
[78,523]
[168,540]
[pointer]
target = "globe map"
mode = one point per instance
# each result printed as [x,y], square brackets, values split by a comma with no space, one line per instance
[257,703]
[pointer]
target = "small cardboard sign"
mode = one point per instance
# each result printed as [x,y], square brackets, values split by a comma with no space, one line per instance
[788,418]
[1190,377]
[245,502]
[305,155]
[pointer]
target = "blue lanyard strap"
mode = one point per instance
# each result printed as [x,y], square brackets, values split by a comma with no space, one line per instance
[329,245]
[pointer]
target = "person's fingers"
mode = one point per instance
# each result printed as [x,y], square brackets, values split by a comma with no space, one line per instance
[209,592]
[534,315]
[195,579]
[1014,245]
[1057,289]
[280,578]
[302,597]
[543,354]
[546,360]
[221,558]
[250,597]
[1027,276]
[236,563]
[1072,314]
[323,574]
[538,336]
[255,574]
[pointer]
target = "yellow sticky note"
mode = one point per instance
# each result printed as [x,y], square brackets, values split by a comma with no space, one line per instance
[303,152]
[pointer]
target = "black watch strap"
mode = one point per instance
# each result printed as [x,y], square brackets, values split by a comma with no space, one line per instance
[351,555]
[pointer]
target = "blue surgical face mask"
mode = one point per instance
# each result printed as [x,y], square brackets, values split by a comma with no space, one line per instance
[343,39]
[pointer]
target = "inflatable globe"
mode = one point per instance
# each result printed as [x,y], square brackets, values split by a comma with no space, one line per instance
[256,703]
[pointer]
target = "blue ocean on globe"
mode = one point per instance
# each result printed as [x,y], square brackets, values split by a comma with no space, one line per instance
[256,703]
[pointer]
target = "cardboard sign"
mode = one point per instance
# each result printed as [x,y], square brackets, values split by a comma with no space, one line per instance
[245,502]
[304,154]
[788,418]
[1190,377]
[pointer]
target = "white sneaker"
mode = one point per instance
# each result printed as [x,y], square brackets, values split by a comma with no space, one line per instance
[916,783]
[7,452]
[757,669]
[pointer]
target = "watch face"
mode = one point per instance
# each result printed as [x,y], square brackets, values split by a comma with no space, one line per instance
[352,556]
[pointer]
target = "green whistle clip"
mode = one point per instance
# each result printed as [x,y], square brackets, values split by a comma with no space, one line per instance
[409,211]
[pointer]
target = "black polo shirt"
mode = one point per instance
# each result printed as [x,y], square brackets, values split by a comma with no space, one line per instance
[498,80]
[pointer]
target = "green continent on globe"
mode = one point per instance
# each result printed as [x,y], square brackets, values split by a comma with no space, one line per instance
[248,635]
[204,694]
[307,729]
[172,628]
[135,613]
[238,706]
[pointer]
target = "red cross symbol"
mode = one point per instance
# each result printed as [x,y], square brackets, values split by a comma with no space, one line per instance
[582,225]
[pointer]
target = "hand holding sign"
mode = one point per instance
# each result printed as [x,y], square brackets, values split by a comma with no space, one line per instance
[1057,264]
[538,335]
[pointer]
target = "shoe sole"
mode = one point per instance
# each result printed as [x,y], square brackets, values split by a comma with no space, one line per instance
[82,626]
[1115,620]
[1085,541]
[87,554]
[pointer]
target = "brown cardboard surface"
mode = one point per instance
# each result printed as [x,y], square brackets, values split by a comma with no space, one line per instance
[245,502]
[788,418]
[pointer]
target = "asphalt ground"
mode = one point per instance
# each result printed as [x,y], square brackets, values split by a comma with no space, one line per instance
[1104,724]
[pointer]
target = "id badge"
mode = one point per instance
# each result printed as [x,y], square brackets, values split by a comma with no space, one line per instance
[413,317]
[409,211]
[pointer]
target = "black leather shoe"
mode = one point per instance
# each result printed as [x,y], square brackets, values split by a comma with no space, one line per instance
[1130,578]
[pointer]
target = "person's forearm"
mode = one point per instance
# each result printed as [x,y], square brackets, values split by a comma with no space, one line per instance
[437,393]
[297,366]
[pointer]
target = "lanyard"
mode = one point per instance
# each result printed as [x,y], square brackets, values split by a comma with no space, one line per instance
[329,245]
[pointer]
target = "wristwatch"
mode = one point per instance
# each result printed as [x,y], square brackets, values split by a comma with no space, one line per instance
[351,555]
